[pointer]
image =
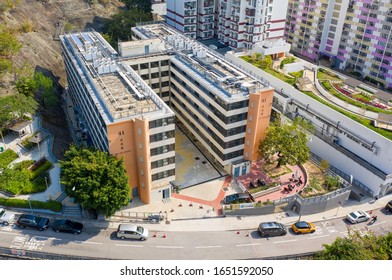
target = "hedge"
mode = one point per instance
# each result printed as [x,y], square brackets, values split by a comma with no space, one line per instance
[41,169]
[35,204]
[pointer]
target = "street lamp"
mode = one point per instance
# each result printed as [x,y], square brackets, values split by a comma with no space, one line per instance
[46,182]
[337,210]
[39,150]
[31,209]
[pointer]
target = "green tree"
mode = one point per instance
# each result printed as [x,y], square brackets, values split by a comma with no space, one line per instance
[119,27]
[142,5]
[288,140]
[9,46]
[357,246]
[95,179]
[39,84]
[45,89]
[266,62]
[14,107]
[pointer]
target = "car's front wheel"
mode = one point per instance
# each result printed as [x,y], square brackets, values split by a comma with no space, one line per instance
[142,239]
[122,237]
[5,223]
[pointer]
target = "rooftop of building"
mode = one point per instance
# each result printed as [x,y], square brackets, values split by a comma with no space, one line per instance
[120,92]
[230,81]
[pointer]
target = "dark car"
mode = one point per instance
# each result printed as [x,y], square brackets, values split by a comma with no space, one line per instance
[67,226]
[237,198]
[388,207]
[33,221]
[269,229]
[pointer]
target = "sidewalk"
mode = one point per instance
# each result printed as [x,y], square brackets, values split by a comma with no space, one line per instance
[251,222]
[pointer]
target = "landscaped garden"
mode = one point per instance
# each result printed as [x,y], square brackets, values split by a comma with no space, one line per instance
[322,74]
[26,177]
[6,158]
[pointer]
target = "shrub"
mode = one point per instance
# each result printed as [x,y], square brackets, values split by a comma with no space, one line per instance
[42,168]
[35,204]
[7,157]
[23,164]
[26,27]
[287,60]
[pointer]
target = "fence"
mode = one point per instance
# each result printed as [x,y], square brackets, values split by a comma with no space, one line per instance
[27,254]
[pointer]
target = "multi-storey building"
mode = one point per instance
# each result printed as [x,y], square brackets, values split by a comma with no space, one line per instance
[120,113]
[244,23]
[356,35]
[121,100]
[195,18]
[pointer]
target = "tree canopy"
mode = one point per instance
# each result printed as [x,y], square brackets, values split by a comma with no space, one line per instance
[287,140]
[357,246]
[95,179]
[119,27]
[142,5]
[14,107]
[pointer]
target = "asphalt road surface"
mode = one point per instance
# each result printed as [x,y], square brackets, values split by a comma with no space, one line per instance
[102,243]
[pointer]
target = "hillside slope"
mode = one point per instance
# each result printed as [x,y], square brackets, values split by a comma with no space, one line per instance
[35,23]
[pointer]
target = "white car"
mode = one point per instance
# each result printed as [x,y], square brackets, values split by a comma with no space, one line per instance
[6,217]
[358,217]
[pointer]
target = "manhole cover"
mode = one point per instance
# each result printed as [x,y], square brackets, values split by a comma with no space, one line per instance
[197,158]
[225,189]
[204,162]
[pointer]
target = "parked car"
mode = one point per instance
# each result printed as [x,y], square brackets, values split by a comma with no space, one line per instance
[272,229]
[132,231]
[6,217]
[33,221]
[303,227]
[358,217]
[237,198]
[67,226]
[388,207]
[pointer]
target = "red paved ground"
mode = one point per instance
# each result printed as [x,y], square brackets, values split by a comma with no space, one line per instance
[216,203]
[255,173]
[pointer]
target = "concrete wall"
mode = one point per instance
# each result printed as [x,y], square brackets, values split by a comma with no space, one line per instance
[293,67]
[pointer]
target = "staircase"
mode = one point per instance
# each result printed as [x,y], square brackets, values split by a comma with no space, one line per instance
[61,197]
[72,211]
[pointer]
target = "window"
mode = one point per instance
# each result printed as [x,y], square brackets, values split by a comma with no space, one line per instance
[154,64]
[144,66]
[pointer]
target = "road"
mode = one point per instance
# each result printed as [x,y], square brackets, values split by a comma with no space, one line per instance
[96,242]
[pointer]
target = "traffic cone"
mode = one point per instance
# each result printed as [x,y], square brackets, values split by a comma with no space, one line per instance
[371,212]
[180,205]
[247,234]
[172,210]
[155,235]
[190,204]
[164,235]
[200,206]
[238,232]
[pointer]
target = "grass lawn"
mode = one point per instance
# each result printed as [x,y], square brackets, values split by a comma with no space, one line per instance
[363,121]
[325,75]
[7,157]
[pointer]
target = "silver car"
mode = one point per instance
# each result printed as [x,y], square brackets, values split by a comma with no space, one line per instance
[358,217]
[132,231]
[6,217]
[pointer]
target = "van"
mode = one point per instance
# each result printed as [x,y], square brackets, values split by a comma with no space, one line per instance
[132,231]
[272,229]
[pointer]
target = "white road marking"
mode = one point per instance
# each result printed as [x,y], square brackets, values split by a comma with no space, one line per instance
[320,236]
[252,244]
[206,247]
[284,241]
[128,245]
[377,224]
[88,242]
[11,233]
[45,237]
[170,247]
